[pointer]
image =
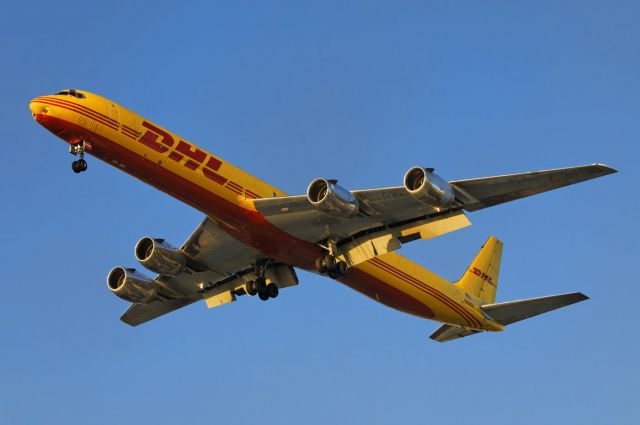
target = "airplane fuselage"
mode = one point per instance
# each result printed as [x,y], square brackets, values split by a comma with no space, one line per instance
[225,193]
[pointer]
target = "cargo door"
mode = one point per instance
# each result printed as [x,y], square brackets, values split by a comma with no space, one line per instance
[114,113]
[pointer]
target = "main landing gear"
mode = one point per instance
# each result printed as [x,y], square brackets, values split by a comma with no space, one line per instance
[78,149]
[264,290]
[331,266]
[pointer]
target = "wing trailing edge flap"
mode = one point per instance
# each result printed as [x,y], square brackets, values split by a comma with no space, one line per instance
[361,248]
[138,314]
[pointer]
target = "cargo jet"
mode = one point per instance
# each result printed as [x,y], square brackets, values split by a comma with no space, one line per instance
[255,235]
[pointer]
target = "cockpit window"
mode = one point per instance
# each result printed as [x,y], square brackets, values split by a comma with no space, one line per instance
[73,93]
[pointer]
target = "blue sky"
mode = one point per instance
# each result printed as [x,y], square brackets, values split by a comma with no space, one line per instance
[358,91]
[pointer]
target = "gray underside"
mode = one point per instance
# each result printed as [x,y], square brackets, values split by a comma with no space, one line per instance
[220,255]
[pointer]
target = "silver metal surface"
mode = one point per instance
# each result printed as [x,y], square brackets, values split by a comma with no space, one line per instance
[332,199]
[389,213]
[390,205]
[131,286]
[216,251]
[450,332]
[160,257]
[483,192]
[514,311]
[428,188]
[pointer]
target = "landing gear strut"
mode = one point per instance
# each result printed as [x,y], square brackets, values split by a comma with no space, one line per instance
[78,149]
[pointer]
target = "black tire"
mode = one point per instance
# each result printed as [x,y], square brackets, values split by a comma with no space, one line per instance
[342,268]
[261,284]
[82,165]
[75,167]
[329,262]
[263,295]
[333,275]
[319,266]
[251,289]
[272,290]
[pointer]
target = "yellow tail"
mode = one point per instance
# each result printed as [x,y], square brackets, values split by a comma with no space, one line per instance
[481,279]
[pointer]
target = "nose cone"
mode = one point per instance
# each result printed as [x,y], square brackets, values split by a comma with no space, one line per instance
[43,114]
[37,108]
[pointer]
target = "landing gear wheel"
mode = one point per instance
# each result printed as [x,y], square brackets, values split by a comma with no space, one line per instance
[263,295]
[342,268]
[251,289]
[78,149]
[260,284]
[329,262]
[319,265]
[331,266]
[272,290]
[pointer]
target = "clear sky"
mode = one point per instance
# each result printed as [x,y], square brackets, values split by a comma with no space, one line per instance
[358,91]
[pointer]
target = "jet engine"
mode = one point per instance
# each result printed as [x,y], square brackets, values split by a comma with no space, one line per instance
[131,286]
[428,188]
[332,199]
[160,257]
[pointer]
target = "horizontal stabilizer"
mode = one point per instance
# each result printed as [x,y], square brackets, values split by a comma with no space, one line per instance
[448,332]
[515,311]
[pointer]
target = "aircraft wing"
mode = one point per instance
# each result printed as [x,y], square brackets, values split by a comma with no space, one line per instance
[217,259]
[484,192]
[388,217]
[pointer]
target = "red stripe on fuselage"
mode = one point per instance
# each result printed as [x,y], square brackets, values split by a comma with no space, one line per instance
[79,105]
[72,108]
[452,304]
[247,226]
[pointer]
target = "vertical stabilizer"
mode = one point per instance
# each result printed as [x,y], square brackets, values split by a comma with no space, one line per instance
[481,279]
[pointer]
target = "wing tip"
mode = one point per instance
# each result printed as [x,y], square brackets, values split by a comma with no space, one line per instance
[604,168]
[580,297]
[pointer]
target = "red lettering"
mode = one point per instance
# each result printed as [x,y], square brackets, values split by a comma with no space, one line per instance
[160,141]
[192,152]
[210,169]
[150,138]
[482,275]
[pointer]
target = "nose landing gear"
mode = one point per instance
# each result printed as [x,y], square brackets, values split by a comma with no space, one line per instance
[78,149]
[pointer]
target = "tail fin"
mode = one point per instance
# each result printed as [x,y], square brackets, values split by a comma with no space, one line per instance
[481,279]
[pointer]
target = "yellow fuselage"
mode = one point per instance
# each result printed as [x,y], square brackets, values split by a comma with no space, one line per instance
[225,193]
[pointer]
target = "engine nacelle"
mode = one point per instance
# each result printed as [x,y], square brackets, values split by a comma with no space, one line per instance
[332,199]
[131,286]
[160,257]
[428,188]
